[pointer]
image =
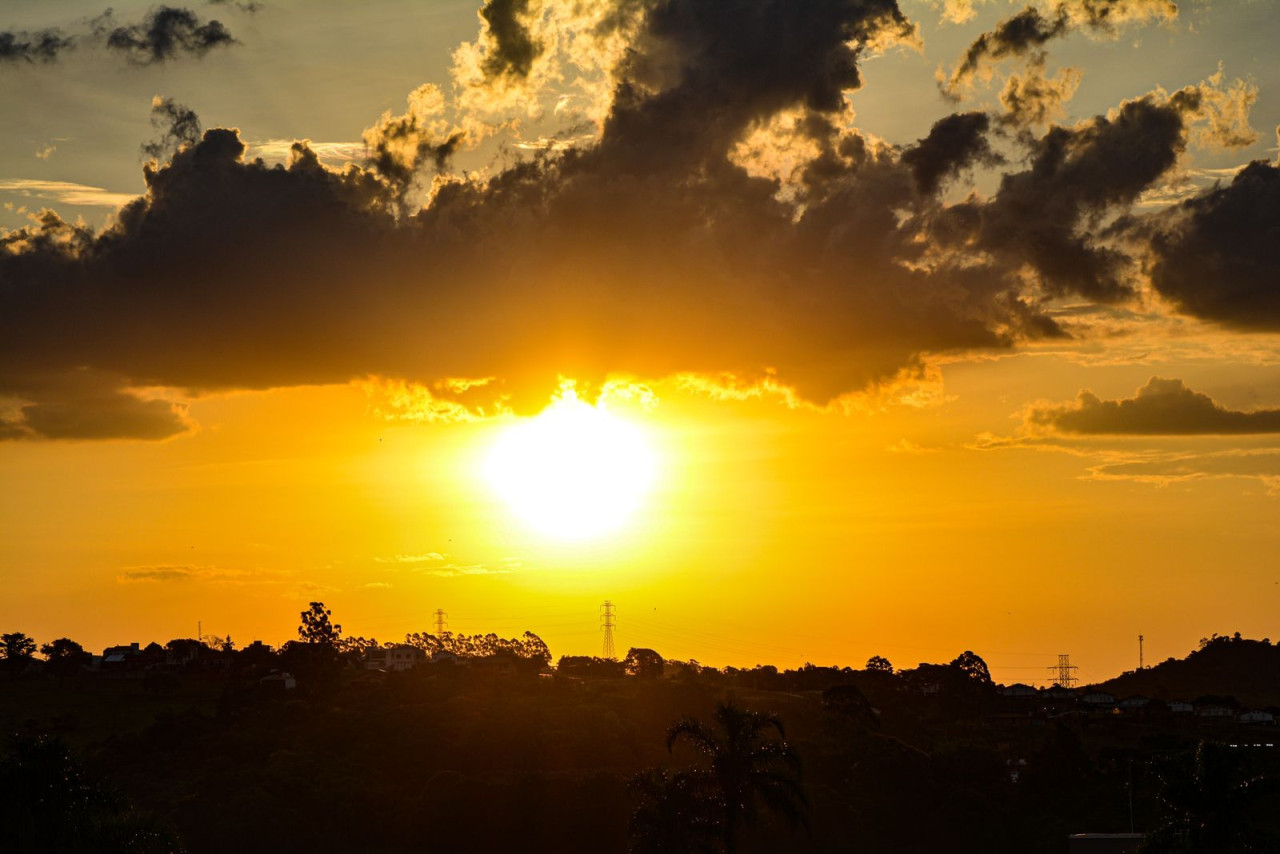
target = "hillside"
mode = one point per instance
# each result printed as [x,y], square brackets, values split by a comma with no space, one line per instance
[1248,670]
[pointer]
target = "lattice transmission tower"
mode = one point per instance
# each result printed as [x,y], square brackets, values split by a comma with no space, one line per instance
[1064,671]
[442,622]
[607,624]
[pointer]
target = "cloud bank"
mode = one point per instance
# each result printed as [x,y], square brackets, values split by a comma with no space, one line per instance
[671,242]
[165,33]
[1163,407]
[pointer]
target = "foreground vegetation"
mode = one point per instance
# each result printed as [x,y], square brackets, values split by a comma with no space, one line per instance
[646,754]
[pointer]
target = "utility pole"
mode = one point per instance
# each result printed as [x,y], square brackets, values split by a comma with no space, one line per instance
[607,614]
[441,623]
[199,630]
[1139,652]
[1065,677]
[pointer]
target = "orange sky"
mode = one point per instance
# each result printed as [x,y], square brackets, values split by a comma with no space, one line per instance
[853,321]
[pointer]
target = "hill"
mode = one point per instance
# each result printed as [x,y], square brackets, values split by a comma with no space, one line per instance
[1248,670]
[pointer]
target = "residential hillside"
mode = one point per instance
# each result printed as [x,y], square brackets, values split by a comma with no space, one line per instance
[1248,670]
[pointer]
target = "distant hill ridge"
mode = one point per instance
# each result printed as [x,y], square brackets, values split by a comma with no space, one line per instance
[1223,666]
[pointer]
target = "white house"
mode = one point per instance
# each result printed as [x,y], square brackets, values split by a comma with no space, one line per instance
[398,657]
[1258,717]
[1181,707]
[1099,698]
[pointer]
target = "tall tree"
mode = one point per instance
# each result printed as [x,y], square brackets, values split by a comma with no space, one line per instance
[745,766]
[880,664]
[317,628]
[972,665]
[18,651]
[64,657]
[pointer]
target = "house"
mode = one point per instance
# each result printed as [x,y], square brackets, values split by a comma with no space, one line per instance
[398,657]
[1180,707]
[1215,712]
[1133,704]
[1099,698]
[279,681]
[117,656]
[132,657]
[1018,690]
[1258,717]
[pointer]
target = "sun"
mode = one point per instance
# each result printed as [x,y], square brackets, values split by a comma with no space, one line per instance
[574,471]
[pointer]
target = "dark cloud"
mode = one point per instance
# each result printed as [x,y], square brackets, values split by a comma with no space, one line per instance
[166,33]
[1045,216]
[178,124]
[954,144]
[1027,32]
[1163,407]
[1016,36]
[512,48]
[42,46]
[1217,256]
[655,251]
[89,405]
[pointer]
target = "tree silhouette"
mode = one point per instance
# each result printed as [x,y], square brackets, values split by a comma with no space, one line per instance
[880,664]
[644,663]
[744,767]
[1213,806]
[316,627]
[18,650]
[672,813]
[64,657]
[972,665]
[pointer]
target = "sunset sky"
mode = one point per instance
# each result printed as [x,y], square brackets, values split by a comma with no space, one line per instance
[910,328]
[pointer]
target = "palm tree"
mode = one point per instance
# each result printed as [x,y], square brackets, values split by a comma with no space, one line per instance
[1212,806]
[745,767]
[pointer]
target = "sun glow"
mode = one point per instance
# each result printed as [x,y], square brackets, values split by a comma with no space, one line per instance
[574,471]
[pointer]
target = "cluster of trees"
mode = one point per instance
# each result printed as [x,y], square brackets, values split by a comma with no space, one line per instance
[528,646]
[62,657]
[923,759]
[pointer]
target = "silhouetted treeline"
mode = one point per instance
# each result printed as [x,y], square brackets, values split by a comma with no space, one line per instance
[315,747]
